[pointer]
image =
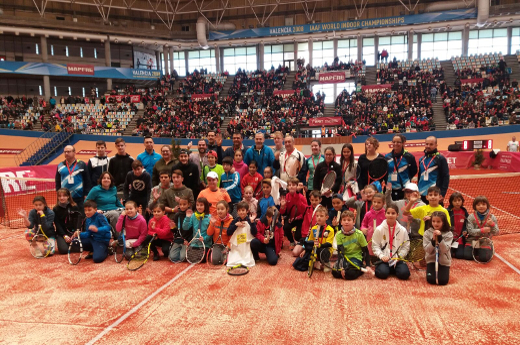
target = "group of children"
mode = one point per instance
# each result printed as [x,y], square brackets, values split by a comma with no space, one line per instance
[365,229]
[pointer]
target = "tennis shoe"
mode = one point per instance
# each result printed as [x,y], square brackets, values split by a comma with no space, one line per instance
[89,256]
[292,245]
[326,269]
[156,257]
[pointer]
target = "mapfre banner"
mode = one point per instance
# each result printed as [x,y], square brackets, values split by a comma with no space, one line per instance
[80,69]
[35,183]
[119,98]
[332,77]
[325,121]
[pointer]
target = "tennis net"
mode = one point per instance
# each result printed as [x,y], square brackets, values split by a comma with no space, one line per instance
[17,193]
[502,191]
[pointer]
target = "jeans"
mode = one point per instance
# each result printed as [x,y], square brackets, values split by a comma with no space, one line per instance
[177,253]
[268,249]
[99,249]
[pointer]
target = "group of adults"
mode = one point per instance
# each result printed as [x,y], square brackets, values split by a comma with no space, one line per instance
[104,179]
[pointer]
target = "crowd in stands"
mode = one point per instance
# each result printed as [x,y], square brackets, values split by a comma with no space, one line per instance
[410,73]
[258,81]
[306,74]
[20,112]
[202,83]
[179,118]
[275,113]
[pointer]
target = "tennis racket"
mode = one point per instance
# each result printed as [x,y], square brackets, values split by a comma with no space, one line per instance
[483,250]
[238,270]
[217,254]
[416,252]
[327,259]
[196,249]
[436,261]
[328,182]
[291,166]
[75,252]
[120,251]
[314,255]
[377,170]
[40,246]
[140,257]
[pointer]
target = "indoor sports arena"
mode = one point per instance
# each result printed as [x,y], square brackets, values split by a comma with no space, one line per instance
[280,171]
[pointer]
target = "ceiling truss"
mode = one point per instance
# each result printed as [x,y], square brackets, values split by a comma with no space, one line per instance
[212,10]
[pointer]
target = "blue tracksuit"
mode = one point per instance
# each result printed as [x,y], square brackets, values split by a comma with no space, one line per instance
[149,160]
[231,183]
[263,157]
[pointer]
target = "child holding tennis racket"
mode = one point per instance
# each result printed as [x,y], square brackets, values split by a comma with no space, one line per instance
[481,223]
[97,235]
[458,217]
[412,225]
[182,236]
[159,225]
[390,240]
[439,234]
[374,217]
[44,216]
[220,223]
[135,228]
[199,219]
[66,214]
[308,221]
[353,247]
[293,206]
[322,235]
[269,237]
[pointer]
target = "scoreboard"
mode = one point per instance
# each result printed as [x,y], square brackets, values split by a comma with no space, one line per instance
[470,145]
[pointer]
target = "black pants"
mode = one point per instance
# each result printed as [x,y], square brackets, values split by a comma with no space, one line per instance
[484,255]
[63,246]
[400,269]
[163,244]
[397,194]
[352,273]
[444,274]
[268,249]
[79,202]
[458,253]
[287,230]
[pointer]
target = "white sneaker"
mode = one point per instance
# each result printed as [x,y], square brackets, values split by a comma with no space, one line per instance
[326,269]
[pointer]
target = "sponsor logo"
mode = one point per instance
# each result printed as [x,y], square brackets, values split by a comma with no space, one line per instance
[80,69]
[10,151]
[90,152]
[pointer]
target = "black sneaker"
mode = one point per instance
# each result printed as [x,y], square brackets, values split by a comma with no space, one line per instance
[156,257]
[89,256]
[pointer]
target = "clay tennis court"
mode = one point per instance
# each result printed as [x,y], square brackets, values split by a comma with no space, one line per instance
[49,301]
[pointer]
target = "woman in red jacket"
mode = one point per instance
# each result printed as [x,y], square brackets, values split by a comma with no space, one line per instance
[268,241]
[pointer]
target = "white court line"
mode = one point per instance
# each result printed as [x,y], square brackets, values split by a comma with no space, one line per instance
[137,307]
[508,263]
[6,238]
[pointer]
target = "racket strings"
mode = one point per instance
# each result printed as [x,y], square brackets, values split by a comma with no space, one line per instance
[416,252]
[195,252]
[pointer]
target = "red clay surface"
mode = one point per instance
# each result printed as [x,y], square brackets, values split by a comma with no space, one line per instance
[48,301]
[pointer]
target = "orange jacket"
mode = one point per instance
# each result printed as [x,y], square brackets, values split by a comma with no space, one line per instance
[214,229]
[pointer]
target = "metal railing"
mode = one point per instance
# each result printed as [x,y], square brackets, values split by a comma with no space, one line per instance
[44,146]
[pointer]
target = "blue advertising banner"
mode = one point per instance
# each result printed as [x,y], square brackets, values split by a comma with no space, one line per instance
[74,70]
[347,25]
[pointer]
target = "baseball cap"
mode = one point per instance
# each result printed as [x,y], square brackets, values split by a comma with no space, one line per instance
[411,187]
[212,174]
[212,153]
[183,152]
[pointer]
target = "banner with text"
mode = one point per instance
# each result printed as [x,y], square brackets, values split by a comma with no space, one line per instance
[119,98]
[347,25]
[56,69]
[325,121]
[20,186]
[283,93]
[376,88]
[332,77]
[201,96]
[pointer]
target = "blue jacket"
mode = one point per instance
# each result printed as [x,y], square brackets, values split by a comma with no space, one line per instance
[231,183]
[149,160]
[264,158]
[438,173]
[103,234]
[264,204]
[404,172]
[80,184]
[193,222]
[46,222]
